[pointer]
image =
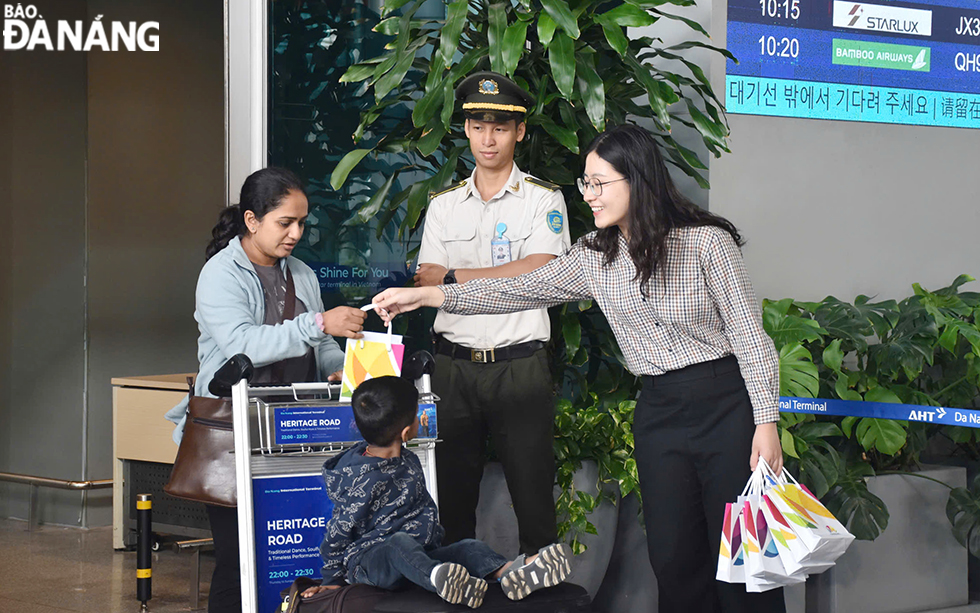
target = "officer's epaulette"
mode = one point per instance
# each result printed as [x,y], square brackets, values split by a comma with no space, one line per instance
[551,187]
[447,190]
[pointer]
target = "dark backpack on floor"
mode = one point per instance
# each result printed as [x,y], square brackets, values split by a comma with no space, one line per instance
[346,599]
[563,598]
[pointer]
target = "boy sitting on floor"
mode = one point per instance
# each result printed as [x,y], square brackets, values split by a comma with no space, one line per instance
[385,530]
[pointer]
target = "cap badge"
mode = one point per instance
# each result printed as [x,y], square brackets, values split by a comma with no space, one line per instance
[489,86]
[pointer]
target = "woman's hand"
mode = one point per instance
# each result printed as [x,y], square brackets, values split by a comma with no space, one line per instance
[344,321]
[336,376]
[397,300]
[317,589]
[765,442]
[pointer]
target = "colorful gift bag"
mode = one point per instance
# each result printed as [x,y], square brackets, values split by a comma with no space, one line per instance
[750,550]
[733,551]
[763,562]
[791,549]
[765,546]
[763,569]
[817,529]
[731,562]
[375,355]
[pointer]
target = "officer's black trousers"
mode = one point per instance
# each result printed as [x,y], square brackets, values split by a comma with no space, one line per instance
[693,432]
[513,402]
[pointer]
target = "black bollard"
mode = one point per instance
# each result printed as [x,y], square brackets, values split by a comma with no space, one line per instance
[144,544]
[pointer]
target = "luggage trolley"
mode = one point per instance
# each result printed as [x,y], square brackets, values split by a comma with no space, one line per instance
[280,447]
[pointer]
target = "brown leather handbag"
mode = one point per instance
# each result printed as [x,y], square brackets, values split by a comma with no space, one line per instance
[204,470]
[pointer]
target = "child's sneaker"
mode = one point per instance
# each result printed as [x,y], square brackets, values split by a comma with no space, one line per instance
[454,584]
[550,568]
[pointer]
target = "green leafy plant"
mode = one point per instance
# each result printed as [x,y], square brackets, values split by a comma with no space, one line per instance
[584,73]
[575,60]
[604,435]
[922,350]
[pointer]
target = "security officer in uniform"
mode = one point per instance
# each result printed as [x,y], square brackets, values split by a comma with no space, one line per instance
[492,372]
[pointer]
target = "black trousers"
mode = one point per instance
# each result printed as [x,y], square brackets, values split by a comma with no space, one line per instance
[226,582]
[693,431]
[513,403]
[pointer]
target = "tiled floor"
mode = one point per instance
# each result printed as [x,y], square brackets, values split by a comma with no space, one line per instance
[53,570]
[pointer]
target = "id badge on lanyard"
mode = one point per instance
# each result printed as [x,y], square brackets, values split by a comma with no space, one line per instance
[500,246]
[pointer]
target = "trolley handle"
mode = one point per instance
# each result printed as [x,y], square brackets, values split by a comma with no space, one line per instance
[331,389]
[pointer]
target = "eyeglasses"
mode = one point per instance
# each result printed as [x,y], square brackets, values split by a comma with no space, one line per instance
[595,185]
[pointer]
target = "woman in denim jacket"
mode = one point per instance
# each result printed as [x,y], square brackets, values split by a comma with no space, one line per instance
[241,307]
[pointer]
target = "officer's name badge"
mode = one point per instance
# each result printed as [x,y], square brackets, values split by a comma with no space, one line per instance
[556,221]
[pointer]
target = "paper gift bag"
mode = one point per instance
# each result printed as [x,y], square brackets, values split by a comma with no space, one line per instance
[730,549]
[750,548]
[818,530]
[763,561]
[791,549]
[375,355]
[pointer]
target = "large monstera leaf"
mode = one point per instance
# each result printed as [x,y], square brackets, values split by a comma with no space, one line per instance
[963,511]
[863,513]
[797,372]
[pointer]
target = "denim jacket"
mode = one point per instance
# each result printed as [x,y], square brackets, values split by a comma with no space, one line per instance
[230,313]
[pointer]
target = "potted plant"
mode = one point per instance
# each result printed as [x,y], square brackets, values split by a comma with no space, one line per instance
[921,350]
[594,455]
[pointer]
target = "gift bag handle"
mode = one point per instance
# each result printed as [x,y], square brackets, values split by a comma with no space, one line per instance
[775,479]
[756,483]
[388,340]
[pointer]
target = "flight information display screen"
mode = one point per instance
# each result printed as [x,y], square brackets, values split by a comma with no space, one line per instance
[912,63]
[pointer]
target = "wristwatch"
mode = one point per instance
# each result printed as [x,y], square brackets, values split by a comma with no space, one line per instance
[450,277]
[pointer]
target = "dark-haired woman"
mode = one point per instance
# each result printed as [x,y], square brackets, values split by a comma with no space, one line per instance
[670,279]
[254,298]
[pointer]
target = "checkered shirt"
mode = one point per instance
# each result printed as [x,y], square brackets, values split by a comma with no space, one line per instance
[705,310]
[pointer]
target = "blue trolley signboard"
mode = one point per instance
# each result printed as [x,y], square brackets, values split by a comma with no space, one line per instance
[290,516]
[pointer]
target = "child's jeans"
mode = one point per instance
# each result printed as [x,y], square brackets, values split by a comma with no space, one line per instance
[401,559]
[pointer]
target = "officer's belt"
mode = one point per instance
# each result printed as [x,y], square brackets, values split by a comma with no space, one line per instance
[487,356]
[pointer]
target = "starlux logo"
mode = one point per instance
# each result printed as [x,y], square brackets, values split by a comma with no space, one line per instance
[25,29]
[880,18]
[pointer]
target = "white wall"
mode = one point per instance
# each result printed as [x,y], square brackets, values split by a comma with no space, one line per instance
[42,280]
[156,185]
[112,170]
[846,208]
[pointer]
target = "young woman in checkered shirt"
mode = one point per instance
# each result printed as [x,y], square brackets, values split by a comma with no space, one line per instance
[670,279]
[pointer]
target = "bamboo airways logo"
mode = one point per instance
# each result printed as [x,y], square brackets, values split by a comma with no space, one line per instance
[881,55]
[25,29]
[879,18]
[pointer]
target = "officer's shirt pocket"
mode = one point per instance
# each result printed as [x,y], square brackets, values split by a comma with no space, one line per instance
[462,246]
[518,231]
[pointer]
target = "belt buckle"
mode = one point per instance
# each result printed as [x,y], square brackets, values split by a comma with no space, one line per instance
[482,356]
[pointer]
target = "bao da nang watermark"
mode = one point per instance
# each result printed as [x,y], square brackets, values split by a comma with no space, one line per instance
[26,29]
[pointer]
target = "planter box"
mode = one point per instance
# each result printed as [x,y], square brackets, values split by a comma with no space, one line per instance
[915,565]
[496,524]
[630,584]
